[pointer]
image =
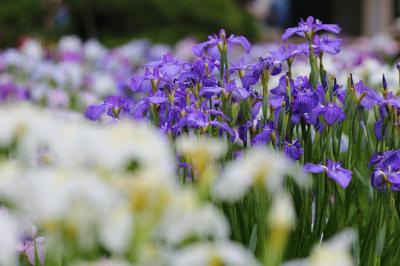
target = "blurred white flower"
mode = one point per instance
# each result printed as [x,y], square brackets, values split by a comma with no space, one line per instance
[69,75]
[102,84]
[183,48]
[258,166]
[282,213]
[128,141]
[200,150]
[133,51]
[103,262]
[12,58]
[16,124]
[93,50]
[385,43]
[48,193]
[371,71]
[301,68]
[182,223]
[112,147]
[116,229]
[8,239]
[210,254]
[70,44]
[57,98]
[158,50]
[334,252]
[33,49]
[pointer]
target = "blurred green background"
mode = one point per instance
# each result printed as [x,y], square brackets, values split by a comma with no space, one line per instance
[117,21]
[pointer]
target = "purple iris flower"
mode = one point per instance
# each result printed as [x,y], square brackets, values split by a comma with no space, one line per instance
[140,109]
[322,44]
[215,42]
[201,72]
[145,83]
[305,100]
[197,73]
[265,135]
[205,66]
[293,149]
[242,93]
[158,98]
[188,80]
[302,82]
[27,248]
[238,92]
[276,102]
[170,67]
[168,71]
[281,88]
[139,84]
[114,106]
[312,118]
[253,71]
[10,91]
[275,67]
[386,170]
[381,177]
[370,98]
[209,92]
[251,76]
[331,112]
[151,72]
[390,100]
[199,120]
[209,81]
[238,67]
[309,27]
[286,52]
[253,123]
[326,45]
[385,159]
[334,171]
[279,94]
[195,119]
[161,73]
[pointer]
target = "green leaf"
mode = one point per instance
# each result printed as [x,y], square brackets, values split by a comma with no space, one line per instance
[380,241]
[253,239]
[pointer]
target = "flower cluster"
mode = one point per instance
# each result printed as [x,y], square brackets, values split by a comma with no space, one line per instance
[222,96]
[72,75]
[321,117]
[63,201]
[107,203]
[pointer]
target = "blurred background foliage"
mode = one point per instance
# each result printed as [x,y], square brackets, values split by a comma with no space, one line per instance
[117,21]
[19,17]
[114,22]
